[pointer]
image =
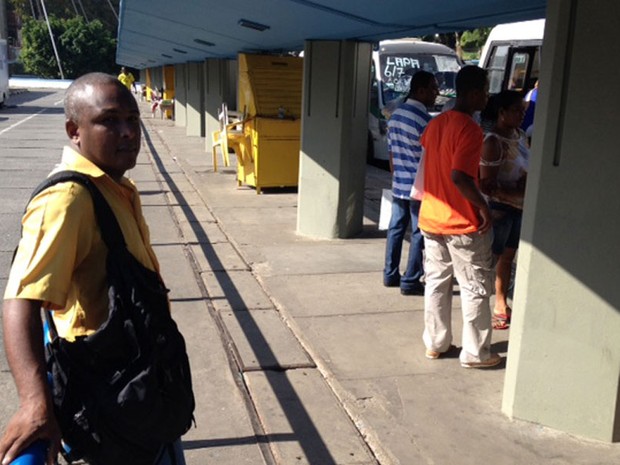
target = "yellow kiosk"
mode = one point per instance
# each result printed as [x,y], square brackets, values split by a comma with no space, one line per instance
[270,97]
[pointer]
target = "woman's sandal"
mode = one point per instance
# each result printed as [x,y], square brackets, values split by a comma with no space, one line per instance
[501,321]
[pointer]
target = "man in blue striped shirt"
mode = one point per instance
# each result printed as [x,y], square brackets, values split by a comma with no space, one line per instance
[404,130]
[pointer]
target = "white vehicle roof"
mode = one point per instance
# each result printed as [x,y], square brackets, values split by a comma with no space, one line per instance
[523,30]
[413,45]
[514,32]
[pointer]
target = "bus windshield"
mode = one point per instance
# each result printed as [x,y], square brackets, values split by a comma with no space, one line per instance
[396,71]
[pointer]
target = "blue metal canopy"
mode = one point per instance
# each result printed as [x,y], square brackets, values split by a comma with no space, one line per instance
[157,32]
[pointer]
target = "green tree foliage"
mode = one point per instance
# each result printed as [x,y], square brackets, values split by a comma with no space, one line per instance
[467,44]
[473,41]
[82,47]
[92,9]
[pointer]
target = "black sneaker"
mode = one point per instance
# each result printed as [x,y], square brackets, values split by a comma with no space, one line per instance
[416,289]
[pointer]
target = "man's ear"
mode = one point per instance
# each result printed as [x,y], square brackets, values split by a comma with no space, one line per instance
[73,131]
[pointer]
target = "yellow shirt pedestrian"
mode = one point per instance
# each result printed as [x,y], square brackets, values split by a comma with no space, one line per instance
[126,78]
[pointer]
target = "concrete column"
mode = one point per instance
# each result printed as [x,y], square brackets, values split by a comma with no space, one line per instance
[564,356]
[220,86]
[154,81]
[334,137]
[195,100]
[157,78]
[180,91]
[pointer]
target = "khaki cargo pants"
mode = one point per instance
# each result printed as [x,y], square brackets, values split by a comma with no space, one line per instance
[468,257]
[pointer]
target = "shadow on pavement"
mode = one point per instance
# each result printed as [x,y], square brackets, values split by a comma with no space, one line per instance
[305,433]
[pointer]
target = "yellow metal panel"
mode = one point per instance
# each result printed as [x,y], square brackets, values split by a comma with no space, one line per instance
[278,164]
[168,88]
[278,128]
[168,82]
[148,84]
[270,93]
[268,84]
[268,153]
[245,96]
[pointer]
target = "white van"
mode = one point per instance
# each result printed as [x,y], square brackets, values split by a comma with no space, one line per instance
[4,72]
[393,63]
[511,55]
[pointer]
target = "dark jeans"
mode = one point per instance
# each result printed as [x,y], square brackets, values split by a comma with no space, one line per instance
[404,212]
[166,459]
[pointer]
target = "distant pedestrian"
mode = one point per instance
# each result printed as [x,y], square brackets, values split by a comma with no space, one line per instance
[456,223]
[404,130]
[127,78]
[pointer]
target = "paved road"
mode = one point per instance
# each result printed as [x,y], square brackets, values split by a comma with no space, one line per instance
[29,138]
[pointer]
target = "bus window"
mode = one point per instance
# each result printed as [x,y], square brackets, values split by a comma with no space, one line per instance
[496,67]
[518,71]
[397,69]
[535,72]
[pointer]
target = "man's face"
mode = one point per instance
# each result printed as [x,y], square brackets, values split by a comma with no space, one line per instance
[430,93]
[108,133]
[481,97]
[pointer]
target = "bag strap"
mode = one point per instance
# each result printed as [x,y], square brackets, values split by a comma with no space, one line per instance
[108,224]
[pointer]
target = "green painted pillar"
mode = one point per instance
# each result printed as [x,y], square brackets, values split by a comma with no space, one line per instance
[195,125]
[334,136]
[180,95]
[563,367]
[220,84]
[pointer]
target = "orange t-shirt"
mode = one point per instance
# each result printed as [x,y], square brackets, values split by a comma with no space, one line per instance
[452,141]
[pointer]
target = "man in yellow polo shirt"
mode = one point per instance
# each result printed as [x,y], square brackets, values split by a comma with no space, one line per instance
[59,263]
[126,78]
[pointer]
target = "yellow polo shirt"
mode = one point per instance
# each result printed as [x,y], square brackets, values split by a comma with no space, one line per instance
[127,79]
[61,256]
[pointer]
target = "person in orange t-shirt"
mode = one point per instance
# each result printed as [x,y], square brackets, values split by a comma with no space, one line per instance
[455,221]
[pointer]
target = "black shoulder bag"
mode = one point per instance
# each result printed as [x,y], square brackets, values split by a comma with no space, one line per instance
[124,392]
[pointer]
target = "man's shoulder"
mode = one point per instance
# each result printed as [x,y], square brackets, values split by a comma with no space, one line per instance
[69,195]
[412,106]
[440,120]
[61,207]
[69,192]
[410,115]
[456,120]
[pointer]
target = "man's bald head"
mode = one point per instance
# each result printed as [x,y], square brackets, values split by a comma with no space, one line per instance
[81,91]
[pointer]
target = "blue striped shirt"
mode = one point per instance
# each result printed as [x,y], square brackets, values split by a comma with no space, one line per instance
[404,130]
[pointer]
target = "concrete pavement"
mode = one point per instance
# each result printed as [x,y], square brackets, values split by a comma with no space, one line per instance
[299,354]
